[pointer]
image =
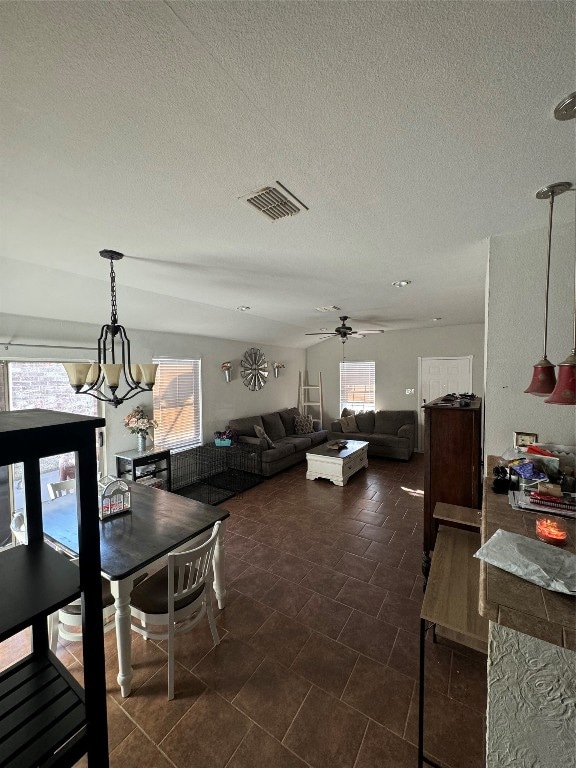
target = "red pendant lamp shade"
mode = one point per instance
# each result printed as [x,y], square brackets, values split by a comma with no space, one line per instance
[543,379]
[565,389]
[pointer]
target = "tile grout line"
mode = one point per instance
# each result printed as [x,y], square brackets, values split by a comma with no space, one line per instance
[361,744]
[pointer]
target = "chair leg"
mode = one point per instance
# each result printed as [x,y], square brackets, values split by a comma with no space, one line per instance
[171,661]
[211,621]
[53,631]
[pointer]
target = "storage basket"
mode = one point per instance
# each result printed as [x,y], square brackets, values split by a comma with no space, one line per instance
[222,441]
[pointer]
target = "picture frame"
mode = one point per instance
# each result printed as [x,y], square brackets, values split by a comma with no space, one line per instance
[523,439]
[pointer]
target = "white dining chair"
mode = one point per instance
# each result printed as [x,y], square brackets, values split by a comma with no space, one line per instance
[177,597]
[66,624]
[61,487]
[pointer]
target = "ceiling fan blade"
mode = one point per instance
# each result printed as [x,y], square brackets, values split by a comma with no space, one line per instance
[372,331]
[326,333]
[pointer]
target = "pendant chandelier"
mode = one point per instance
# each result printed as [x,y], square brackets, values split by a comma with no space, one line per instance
[114,368]
[544,376]
[565,390]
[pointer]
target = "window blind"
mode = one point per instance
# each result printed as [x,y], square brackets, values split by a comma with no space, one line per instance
[178,404]
[357,386]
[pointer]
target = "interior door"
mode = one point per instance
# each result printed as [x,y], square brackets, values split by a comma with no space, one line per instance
[438,376]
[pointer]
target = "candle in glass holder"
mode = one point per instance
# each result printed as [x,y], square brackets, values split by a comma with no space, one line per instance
[552,530]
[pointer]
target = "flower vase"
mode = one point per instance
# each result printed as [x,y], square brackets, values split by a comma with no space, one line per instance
[141,443]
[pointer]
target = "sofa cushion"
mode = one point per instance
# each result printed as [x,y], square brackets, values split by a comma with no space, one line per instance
[349,424]
[318,437]
[272,423]
[354,436]
[299,442]
[281,450]
[287,418]
[388,441]
[365,421]
[303,425]
[245,426]
[389,422]
[261,433]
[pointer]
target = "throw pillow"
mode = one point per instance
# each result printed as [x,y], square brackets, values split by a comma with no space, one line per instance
[348,424]
[287,418]
[263,436]
[273,426]
[365,422]
[303,425]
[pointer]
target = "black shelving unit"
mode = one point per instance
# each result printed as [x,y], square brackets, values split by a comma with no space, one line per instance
[139,465]
[47,720]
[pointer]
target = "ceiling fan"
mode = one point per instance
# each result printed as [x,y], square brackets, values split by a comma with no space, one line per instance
[344,331]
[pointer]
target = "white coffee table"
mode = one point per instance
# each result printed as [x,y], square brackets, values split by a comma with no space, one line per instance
[337,466]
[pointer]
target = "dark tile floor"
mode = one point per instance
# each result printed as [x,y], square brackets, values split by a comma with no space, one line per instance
[318,660]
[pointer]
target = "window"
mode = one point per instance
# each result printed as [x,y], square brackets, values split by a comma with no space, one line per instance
[178,404]
[357,386]
[37,385]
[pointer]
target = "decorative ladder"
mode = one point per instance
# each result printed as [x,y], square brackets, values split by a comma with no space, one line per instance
[306,391]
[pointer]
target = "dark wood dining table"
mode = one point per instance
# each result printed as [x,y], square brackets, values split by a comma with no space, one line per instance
[158,522]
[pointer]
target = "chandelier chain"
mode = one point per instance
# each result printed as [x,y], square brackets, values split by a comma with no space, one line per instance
[114,315]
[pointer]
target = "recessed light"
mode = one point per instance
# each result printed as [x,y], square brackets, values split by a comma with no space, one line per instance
[401,283]
[333,308]
[435,319]
[243,309]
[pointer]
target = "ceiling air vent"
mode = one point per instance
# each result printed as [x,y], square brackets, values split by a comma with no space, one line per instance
[274,201]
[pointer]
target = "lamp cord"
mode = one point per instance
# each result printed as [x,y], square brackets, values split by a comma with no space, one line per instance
[548,273]
[574,313]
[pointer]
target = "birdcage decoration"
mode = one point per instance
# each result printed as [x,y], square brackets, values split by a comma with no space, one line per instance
[113,496]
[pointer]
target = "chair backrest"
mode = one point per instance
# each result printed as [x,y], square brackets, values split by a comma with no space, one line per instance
[61,488]
[188,571]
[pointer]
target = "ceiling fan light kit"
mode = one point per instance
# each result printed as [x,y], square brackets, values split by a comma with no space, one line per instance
[344,331]
[113,345]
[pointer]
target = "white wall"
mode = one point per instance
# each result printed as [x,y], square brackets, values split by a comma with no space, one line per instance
[220,401]
[515,326]
[396,356]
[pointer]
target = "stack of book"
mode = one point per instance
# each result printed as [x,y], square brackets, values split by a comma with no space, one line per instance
[535,501]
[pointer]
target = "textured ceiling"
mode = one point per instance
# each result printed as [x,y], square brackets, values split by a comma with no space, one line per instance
[412,130]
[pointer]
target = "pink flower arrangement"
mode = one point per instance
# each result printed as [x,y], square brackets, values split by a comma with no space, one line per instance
[138,422]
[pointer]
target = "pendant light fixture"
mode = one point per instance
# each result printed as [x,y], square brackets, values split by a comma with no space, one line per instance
[565,390]
[114,365]
[543,376]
